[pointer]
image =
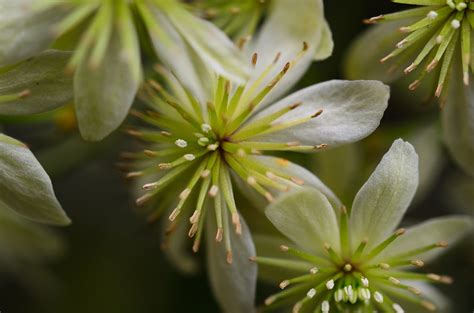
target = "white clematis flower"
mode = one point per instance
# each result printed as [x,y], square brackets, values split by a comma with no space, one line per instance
[356,259]
[106,58]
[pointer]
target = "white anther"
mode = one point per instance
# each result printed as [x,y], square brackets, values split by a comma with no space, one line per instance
[461,6]
[311,293]
[353,297]
[338,295]
[181,143]
[314,270]
[330,284]
[213,147]
[432,15]
[251,180]
[364,294]
[398,308]
[325,306]
[455,24]
[185,193]
[189,157]
[451,4]
[378,297]
[203,141]
[213,191]
[206,128]
[365,282]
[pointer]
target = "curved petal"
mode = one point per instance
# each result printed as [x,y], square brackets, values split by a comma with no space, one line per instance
[351,111]
[293,170]
[383,200]
[42,80]
[210,43]
[25,187]
[176,54]
[103,95]
[449,229]
[458,125]
[233,284]
[24,30]
[307,218]
[289,24]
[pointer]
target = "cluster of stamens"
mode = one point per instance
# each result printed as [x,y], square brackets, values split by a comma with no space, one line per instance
[352,280]
[436,34]
[208,145]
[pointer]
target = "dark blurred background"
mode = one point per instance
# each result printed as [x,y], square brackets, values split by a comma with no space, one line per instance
[112,261]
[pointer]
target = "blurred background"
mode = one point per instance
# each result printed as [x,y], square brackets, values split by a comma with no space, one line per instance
[110,259]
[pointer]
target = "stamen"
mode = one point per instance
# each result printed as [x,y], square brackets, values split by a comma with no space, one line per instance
[330,284]
[181,143]
[325,306]
[378,297]
[398,308]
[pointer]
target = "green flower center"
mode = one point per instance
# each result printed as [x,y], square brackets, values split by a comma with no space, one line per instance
[209,144]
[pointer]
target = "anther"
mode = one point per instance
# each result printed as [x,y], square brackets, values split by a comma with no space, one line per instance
[174,214]
[314,270]
[455,24]
[195,217]
[150,186]
[428,305]
[325,306]
[378,297]
[236,222]
[411,68]
[365,282]
[269,197]
[143,199]
[192,230]
[133,175]
[384,266]
[189,157]
[219,234]
[400,231]
[213,190]
[181,143]
[270,300]
[185,194]
[414,85]
[213,147]
[414,290]
[398,308]
[284,284]
[394,281]
[418,263]
[205,173]
[251,181]
[432,15]
[330,284]
[348,267]
[318,113]
[311,293]
[229,257]
[254,59]
[206,128]
[25,93]
[297,181]
[373,20]
[165,166]
[284,248]
[277,58]
[442,244]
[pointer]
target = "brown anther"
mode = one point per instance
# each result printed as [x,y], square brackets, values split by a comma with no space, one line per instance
[165,166]
[277,58]
[432,65]
[410,69]
[318,113]
[442,244]
[143,199]
[305,46]
[193,230]
[23,94]
[320,146]
[414,85]
[254,59]
[253,259]
[229,257]
[400,232]
[295,105]
[286,67]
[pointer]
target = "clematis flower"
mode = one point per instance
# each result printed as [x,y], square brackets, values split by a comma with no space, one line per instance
[435,44]
[357,260]
[435,31]
[107,47]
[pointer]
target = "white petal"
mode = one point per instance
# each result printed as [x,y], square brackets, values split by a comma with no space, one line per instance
[351,111]
[383,200]
[174,52]
[211,44]
[449,229]
[307,218]
[25,187]
[428,146]
[103,96]
[458,125]
[288,25]
[233,284]
[326,46]
[24,30]
[43,78]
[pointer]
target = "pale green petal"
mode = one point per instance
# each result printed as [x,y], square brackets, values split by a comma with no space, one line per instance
[428,146]
[210,44]
[458,125]
[287,26]
[233,284]
[362,60]
[177,55]
[351,110]
[43,81]
[104,95]
[383,200]
[307,218]
[326,46]
[25,187]
[25,31]
[450,229]
[293,170]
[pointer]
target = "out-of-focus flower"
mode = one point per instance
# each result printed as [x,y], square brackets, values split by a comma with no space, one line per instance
[25,187]
[435,31]
[352,260]
[439,42]
[106,58]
